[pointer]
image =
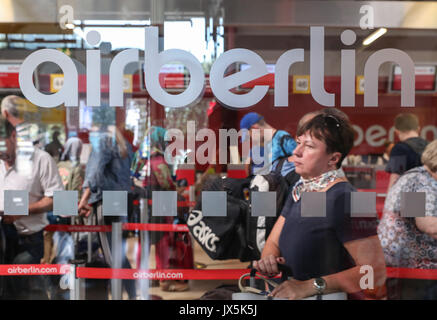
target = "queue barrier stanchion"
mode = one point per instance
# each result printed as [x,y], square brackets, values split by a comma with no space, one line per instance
[192,194]
[89,247]
[77,285]
[142,261]
[117,252]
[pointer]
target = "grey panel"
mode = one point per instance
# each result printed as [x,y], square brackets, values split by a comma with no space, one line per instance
[363,204]
[65,203]
[263,204]
[16,202]
[214,204]
[313,204]
[413,204]
[114,203]
[164,203]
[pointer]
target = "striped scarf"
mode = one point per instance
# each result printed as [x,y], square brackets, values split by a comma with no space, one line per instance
[315,184]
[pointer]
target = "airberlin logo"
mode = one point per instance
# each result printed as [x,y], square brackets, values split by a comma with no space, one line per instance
[221,84]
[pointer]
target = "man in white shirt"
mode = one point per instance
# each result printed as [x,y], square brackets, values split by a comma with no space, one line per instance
[24,233]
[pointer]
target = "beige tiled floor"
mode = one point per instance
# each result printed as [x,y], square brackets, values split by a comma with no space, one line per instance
[197,287]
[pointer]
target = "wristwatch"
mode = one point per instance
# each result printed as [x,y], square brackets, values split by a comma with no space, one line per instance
[320,285]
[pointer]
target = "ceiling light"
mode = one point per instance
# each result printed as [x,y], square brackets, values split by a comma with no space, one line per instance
[70,26]
[375,35]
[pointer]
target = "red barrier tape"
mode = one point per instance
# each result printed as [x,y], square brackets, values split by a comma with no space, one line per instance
[407,273]
[126,226]
[170,274]
[77,228]
[156,227]
[34,269]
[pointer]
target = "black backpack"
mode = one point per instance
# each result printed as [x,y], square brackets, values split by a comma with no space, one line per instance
[259,228]
[235,236]
[223,237]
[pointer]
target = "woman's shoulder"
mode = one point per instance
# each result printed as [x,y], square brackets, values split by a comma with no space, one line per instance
[340,188]
[414,180]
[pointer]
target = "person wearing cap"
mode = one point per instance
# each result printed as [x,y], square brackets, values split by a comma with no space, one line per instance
[270,143]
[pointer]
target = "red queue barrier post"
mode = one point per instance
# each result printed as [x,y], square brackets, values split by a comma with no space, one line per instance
[143,258]
[77,285]
[117,256]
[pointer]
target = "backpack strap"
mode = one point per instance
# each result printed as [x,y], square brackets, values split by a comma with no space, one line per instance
[414,147]
[282,141]
[280,164]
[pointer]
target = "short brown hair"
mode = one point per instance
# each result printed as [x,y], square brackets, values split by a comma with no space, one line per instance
[429,156]
[336,132]
[332,111]
[405,122]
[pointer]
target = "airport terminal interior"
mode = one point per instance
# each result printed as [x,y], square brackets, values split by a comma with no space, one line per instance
[186,150]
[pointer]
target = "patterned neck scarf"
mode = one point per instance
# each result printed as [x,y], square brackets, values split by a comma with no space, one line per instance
[315,184]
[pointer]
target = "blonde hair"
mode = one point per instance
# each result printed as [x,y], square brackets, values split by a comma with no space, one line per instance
[429,156]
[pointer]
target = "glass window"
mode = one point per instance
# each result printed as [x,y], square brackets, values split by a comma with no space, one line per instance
[159,124]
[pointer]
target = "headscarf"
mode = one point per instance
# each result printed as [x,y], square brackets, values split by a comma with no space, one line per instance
[157,139]
[72,150]
[154,143]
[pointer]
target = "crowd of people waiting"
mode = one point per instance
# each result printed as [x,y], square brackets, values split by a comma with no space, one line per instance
[325,253]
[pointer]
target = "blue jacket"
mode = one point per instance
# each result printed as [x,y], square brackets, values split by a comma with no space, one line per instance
[106,170]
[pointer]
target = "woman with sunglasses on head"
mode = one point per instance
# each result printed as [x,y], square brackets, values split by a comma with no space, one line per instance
[324,251]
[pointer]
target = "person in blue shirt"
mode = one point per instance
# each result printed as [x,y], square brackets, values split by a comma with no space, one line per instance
[406,154]
[108,169]
[280,145]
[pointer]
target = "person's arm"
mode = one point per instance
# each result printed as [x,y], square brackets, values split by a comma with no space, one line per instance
[392,180]
[362,244]
[365,252]
[397,163]
[84,208]
[271,255]
[427,225]
[41,206]
[97,162]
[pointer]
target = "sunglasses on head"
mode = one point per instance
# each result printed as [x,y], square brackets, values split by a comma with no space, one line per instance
[331,122]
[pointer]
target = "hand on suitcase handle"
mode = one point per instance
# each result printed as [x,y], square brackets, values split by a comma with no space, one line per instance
[271,266]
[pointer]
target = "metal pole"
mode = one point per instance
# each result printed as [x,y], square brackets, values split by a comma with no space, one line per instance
[192,194]
[89,247]
[117,251]
[77,285]
[71,281]
[144,244]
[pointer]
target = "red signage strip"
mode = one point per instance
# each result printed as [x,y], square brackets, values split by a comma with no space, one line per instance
[34,269]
